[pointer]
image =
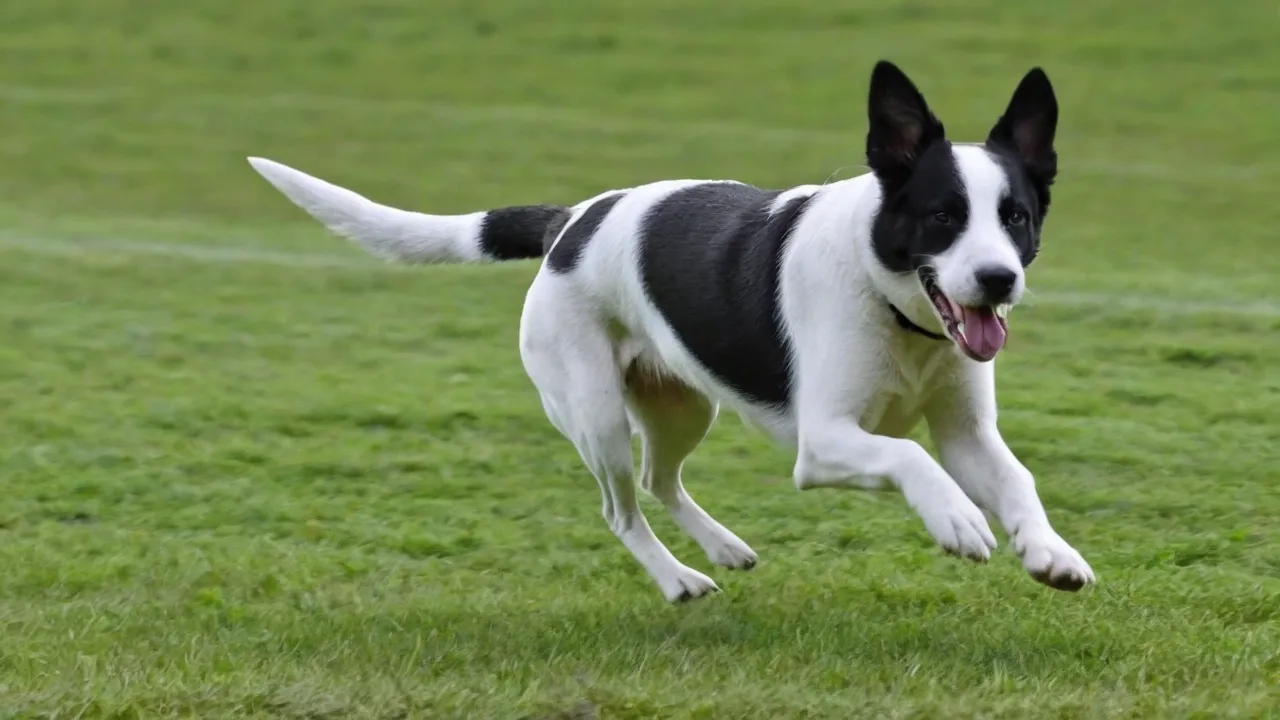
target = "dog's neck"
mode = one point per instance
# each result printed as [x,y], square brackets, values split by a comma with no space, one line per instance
[906,324]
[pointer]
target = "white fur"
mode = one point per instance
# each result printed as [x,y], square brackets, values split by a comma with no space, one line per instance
[392,234]
[800,191]
[607,365]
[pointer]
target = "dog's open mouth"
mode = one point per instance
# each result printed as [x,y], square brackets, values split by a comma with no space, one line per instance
[980,332]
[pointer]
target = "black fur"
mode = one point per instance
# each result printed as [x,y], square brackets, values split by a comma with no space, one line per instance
[1022,142]
[709,260]
[1025,133]
[1025,198]
[925,208]
[924,215]
[900,126]
[565,255]
[517,233]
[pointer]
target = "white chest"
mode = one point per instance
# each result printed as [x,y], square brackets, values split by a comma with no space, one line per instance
[907,386]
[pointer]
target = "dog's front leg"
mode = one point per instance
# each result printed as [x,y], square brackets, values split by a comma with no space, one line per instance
[962,421]
[839,453]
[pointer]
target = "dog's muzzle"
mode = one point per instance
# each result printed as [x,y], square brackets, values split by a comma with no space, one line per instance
[980,331]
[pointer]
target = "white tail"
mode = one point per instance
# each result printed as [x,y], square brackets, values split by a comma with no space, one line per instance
[398,235]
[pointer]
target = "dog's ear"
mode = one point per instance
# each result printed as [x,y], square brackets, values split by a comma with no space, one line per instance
[901,124]
[1028,125]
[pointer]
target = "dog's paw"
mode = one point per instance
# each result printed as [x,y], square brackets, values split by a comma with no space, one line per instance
[733,553]
[685,584]
[958,526]
[1050,560]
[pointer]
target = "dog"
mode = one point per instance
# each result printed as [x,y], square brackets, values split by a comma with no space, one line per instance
[831,317]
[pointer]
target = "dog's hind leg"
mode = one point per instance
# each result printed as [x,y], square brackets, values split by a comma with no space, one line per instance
[571,359]
[673,418]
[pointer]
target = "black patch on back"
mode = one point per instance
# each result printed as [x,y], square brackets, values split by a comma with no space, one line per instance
[517,233]
[565,255]
[924,214]
[709,260]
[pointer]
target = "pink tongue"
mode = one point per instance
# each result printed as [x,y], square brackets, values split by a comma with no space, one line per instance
[983,332]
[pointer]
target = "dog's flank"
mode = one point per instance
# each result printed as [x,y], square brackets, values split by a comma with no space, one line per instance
[709,261]
[835,318]
[513,233]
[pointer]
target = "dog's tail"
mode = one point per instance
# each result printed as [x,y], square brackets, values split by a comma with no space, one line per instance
[410,237]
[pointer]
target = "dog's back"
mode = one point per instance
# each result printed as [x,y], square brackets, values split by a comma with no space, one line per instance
[686,271]
[833,317]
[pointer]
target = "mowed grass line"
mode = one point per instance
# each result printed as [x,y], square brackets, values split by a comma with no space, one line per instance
[1172,305]
[277,486]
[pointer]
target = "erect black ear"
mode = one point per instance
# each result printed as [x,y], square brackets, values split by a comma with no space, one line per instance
[1028,125]
[901,124]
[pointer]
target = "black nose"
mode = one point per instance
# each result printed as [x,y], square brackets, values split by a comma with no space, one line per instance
[996,283]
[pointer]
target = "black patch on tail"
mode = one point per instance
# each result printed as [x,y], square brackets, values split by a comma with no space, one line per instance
[518,233]
[710,257]
[565,255]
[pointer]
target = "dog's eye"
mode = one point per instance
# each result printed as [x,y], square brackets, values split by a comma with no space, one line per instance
[1016,218]
[942,218]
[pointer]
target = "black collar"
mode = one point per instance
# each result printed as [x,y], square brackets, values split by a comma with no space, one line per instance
[908,325]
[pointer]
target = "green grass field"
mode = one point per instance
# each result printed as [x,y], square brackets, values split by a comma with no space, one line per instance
[248,471]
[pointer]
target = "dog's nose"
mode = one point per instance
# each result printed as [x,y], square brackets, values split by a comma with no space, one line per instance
[996,284]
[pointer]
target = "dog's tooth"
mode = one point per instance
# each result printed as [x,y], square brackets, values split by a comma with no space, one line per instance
[1002,311]
[960,328]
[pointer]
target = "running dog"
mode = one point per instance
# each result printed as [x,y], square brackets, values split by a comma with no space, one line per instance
[831,317]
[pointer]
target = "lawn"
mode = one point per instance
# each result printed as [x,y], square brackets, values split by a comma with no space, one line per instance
[248,471]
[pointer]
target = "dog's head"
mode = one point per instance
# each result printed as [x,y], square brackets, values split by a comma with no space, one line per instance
[959,224]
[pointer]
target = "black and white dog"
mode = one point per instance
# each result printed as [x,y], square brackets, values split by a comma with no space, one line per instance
[833,317]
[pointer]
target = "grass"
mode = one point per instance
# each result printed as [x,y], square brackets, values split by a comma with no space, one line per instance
[249,472]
